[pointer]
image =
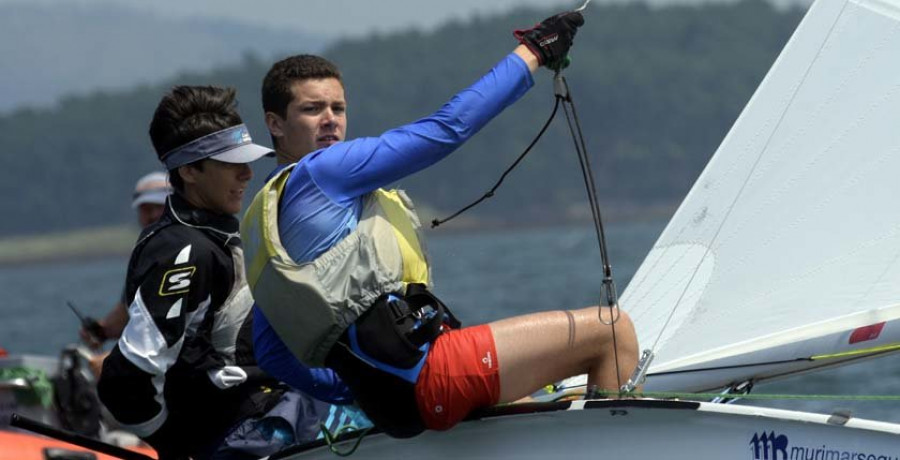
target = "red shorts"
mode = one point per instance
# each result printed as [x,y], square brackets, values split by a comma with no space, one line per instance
[461,373]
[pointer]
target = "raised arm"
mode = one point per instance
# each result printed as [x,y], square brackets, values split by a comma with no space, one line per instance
[351,169]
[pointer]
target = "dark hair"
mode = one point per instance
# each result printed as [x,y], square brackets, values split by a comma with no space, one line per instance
[276,87]
[189,112]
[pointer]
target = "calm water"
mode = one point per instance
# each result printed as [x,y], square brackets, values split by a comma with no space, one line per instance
[482,276]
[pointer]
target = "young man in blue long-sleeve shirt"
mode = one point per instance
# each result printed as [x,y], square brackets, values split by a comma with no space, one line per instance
[320,239]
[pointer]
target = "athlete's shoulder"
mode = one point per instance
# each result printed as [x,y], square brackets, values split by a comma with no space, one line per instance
[174,263]
[175,253]
[178,242]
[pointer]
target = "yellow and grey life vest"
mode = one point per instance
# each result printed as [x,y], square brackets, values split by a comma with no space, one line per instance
[311,304]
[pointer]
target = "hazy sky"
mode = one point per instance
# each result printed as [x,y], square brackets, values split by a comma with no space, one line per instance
[341,17]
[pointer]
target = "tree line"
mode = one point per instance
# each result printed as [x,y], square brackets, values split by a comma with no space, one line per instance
[656,90]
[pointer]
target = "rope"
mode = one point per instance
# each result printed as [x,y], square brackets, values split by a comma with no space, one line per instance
[561,89]
[864,351]
[755,396]
[563,97]
[330,439]
[490,193]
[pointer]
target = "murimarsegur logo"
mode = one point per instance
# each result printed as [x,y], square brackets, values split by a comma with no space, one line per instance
[769,446]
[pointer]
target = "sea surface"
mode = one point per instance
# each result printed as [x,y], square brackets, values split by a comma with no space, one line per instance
[483,276]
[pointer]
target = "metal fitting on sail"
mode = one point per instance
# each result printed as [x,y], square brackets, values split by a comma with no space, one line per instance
[640,372]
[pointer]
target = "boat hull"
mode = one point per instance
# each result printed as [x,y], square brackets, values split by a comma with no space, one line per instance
[636,429]
[27,446]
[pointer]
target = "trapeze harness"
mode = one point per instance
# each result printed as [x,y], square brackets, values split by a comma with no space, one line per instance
[364,305]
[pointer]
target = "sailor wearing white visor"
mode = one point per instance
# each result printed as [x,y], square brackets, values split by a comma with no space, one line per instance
[182,374]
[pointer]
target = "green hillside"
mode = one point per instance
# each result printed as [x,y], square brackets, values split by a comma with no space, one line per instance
[79,244]
[656,90]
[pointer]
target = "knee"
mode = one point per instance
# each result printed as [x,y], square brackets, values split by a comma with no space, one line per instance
[625,334]
[602,322]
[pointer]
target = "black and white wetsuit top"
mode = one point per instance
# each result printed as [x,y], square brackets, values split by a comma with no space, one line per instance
[183,372]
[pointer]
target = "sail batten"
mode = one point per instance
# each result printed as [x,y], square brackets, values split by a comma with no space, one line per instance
[801,343]
[828,344]
[793,222]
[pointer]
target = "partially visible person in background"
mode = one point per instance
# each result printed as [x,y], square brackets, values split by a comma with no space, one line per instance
[149,201]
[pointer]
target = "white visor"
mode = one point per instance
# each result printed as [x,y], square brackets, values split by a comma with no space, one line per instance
[230,145]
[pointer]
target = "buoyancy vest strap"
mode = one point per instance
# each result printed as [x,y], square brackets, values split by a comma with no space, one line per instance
[428,330]
[410,375]
[415,268]
[418,296]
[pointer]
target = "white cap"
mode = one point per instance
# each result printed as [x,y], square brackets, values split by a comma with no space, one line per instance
[152,188]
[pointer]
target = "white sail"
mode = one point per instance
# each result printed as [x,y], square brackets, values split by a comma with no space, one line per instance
[789,241]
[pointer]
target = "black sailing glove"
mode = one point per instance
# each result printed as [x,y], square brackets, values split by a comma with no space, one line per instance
[551,39]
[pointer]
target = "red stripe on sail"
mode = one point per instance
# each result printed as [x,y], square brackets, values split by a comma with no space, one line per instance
[866,333]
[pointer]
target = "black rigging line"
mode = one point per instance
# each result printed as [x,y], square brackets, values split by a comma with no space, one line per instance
[561,88]
[490,193]
[561,91]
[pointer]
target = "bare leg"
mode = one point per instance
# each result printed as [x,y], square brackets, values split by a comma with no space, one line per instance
[541,348]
